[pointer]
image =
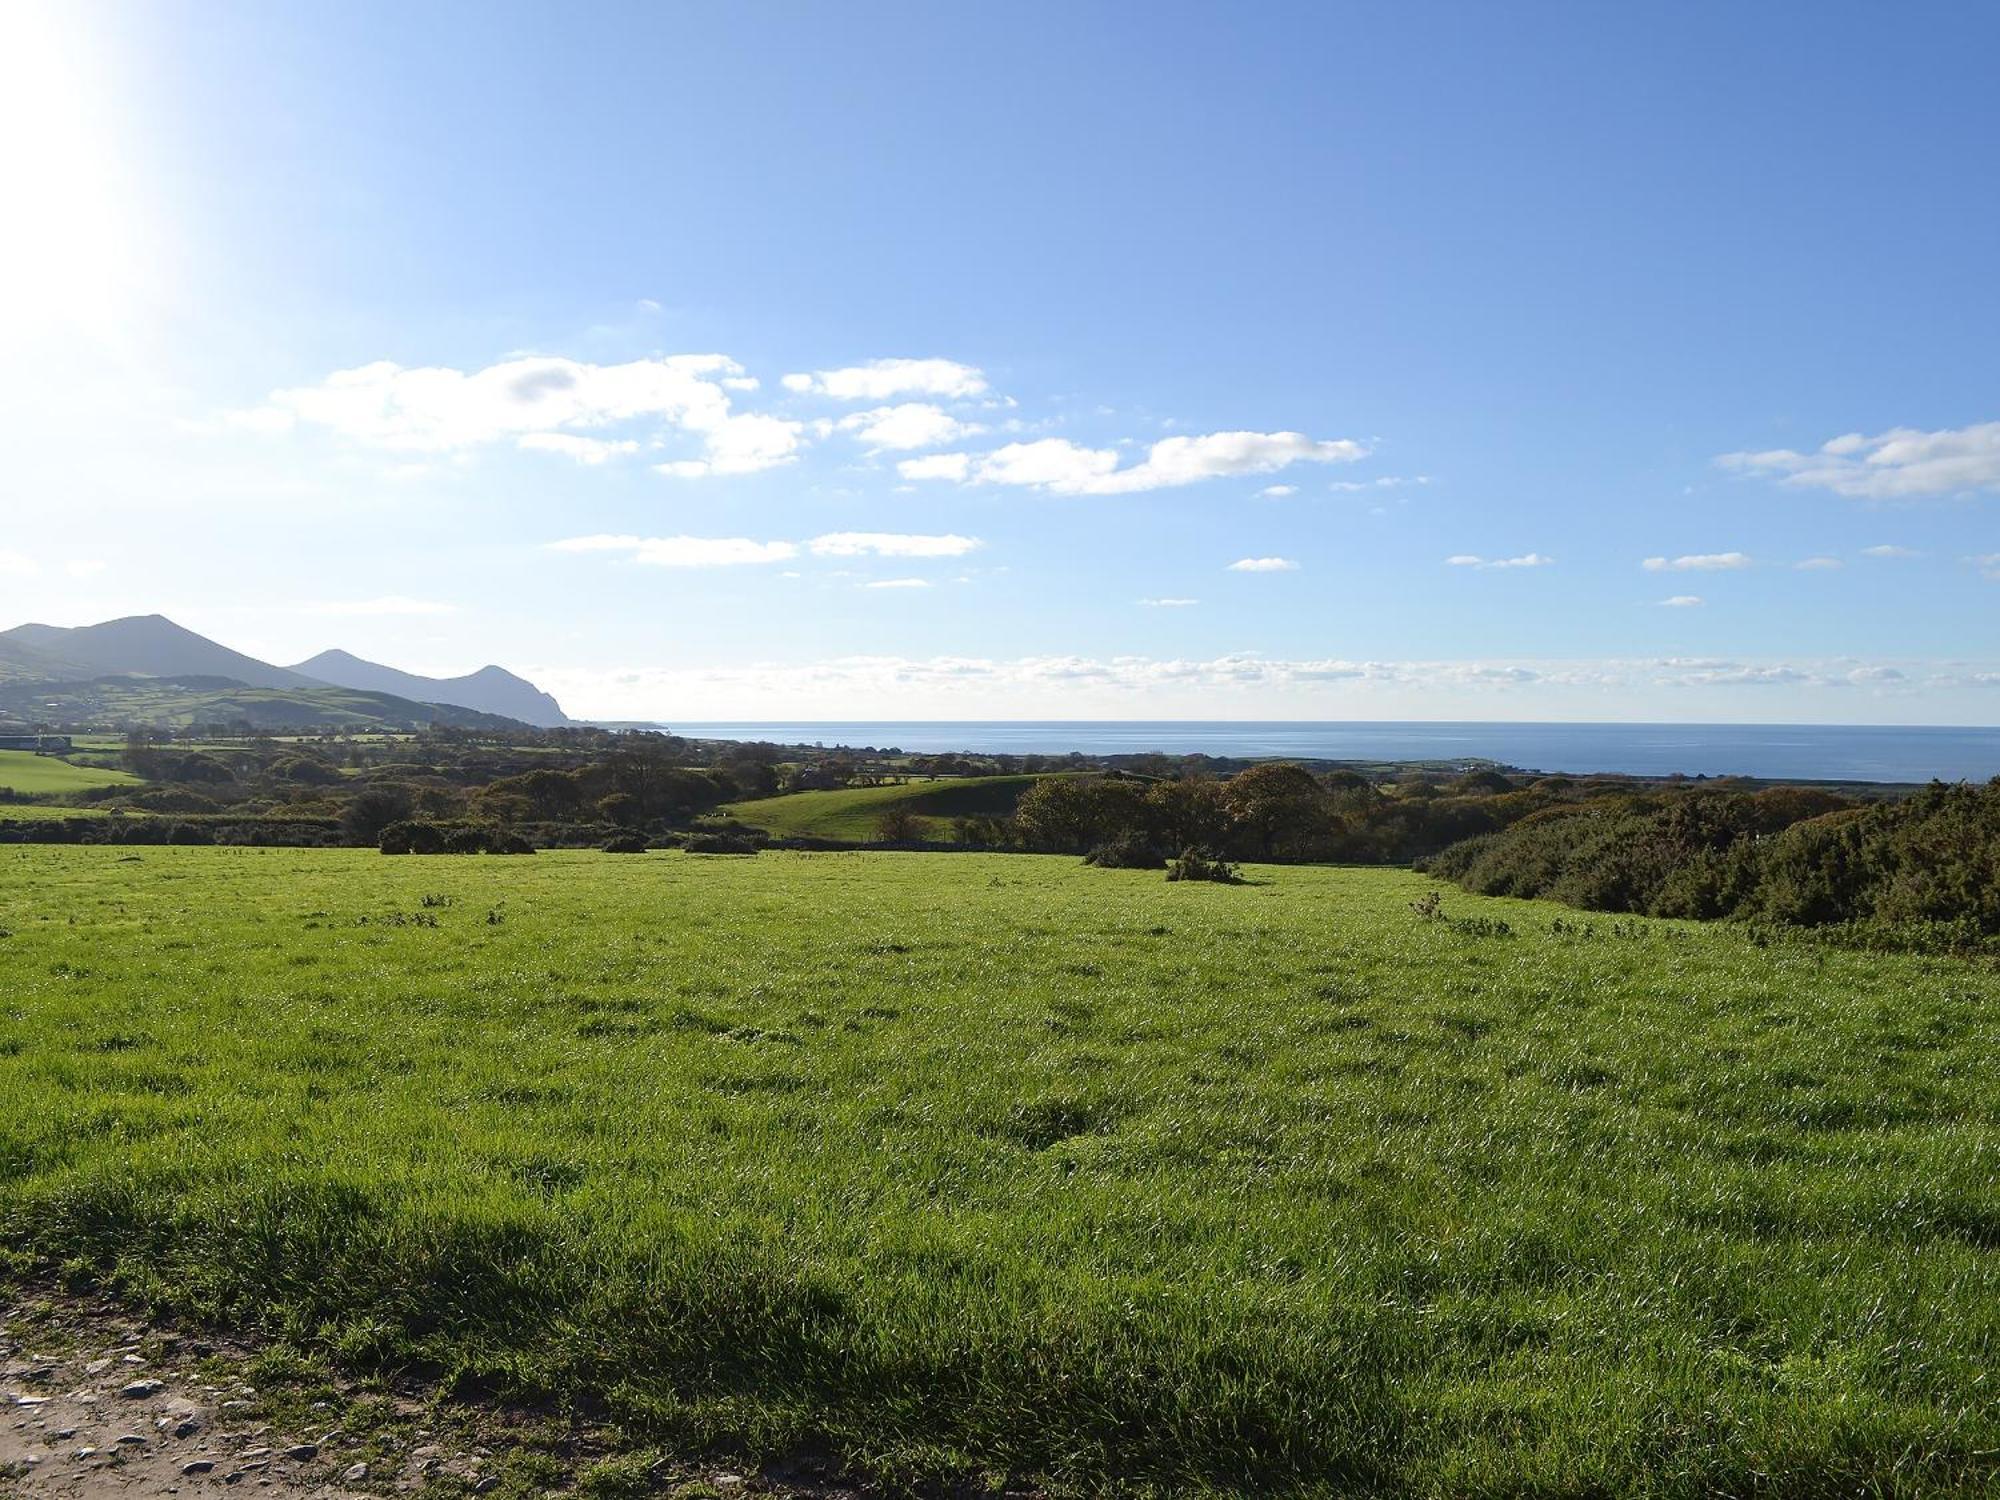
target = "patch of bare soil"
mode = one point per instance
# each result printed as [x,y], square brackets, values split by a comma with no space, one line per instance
[95,1405]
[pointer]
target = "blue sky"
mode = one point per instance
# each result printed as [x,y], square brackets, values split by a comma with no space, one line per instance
[432,331]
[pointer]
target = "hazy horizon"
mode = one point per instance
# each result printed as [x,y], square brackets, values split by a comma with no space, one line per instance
[771,363]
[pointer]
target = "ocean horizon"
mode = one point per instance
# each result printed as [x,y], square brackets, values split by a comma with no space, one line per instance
[1821,752]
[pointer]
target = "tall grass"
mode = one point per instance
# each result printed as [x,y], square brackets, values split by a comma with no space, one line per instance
[1008,1166]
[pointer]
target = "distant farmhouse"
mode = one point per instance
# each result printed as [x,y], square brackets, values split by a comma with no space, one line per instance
[44,744]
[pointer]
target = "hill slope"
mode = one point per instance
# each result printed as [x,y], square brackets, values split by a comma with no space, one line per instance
[26,772]
[21,662]
[492,690]
[151,646]
[178,702]
[851,812]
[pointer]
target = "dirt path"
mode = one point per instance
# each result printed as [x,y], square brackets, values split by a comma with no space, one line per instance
[134,1414]
[94,1405]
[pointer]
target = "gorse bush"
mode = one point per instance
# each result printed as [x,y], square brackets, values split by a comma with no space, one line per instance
[1201,864]
[1789,855]
[412,838]
[718,843]
[1128,851]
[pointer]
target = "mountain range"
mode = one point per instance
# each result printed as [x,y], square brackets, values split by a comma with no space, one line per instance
[153,647]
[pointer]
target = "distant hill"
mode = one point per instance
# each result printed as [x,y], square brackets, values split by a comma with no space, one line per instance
[20,662]
[149,670]
[151,646]
[492,690]
[178,702]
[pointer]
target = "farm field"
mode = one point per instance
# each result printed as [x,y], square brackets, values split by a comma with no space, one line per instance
[37,812]
[26,772]
[851,812]
[1002,1165]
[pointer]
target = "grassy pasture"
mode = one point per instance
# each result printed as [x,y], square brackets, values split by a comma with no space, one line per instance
[851,812]
[1006,1165]
[26,772]
[38,812]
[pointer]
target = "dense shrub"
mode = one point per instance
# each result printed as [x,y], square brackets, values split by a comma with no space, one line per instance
[307,770]
[626,843]
[373,810]
[718,843]
[1128,851]
[1793,855]
[898,825]
[412,838]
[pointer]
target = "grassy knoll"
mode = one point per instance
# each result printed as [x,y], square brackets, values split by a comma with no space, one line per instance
[1004,1164]
[852,812]
[26,772]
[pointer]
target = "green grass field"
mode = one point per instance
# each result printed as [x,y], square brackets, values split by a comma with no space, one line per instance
[852,813]
[962,1165]
[40,812]
[26,772]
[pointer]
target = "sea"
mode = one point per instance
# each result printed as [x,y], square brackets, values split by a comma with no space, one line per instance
[1819,752]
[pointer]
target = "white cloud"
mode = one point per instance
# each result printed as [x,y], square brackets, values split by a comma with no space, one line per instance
[713,552]
[585,450]
[1903,463]
[914,424]
[1277,491]
[1818,564]
[1242,684]
[885,379]
[1988,564]
[744,444]
[17,564]
[85,567]
[892,544]
[1386,482]
[543,403]
[936,466]
[1067,468]
[1738,676]
[1169,603]
[1525,560]
[1697,562]
[1886,550]
[1682,601]
[898,583]
[1263,565]
[683,551]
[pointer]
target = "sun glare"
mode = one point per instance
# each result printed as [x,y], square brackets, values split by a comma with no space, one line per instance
[67,253]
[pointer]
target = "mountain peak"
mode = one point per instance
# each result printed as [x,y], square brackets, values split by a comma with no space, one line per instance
[153,646]
[492,689]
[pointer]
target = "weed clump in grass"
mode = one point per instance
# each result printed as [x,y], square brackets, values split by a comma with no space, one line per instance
[1201,864]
